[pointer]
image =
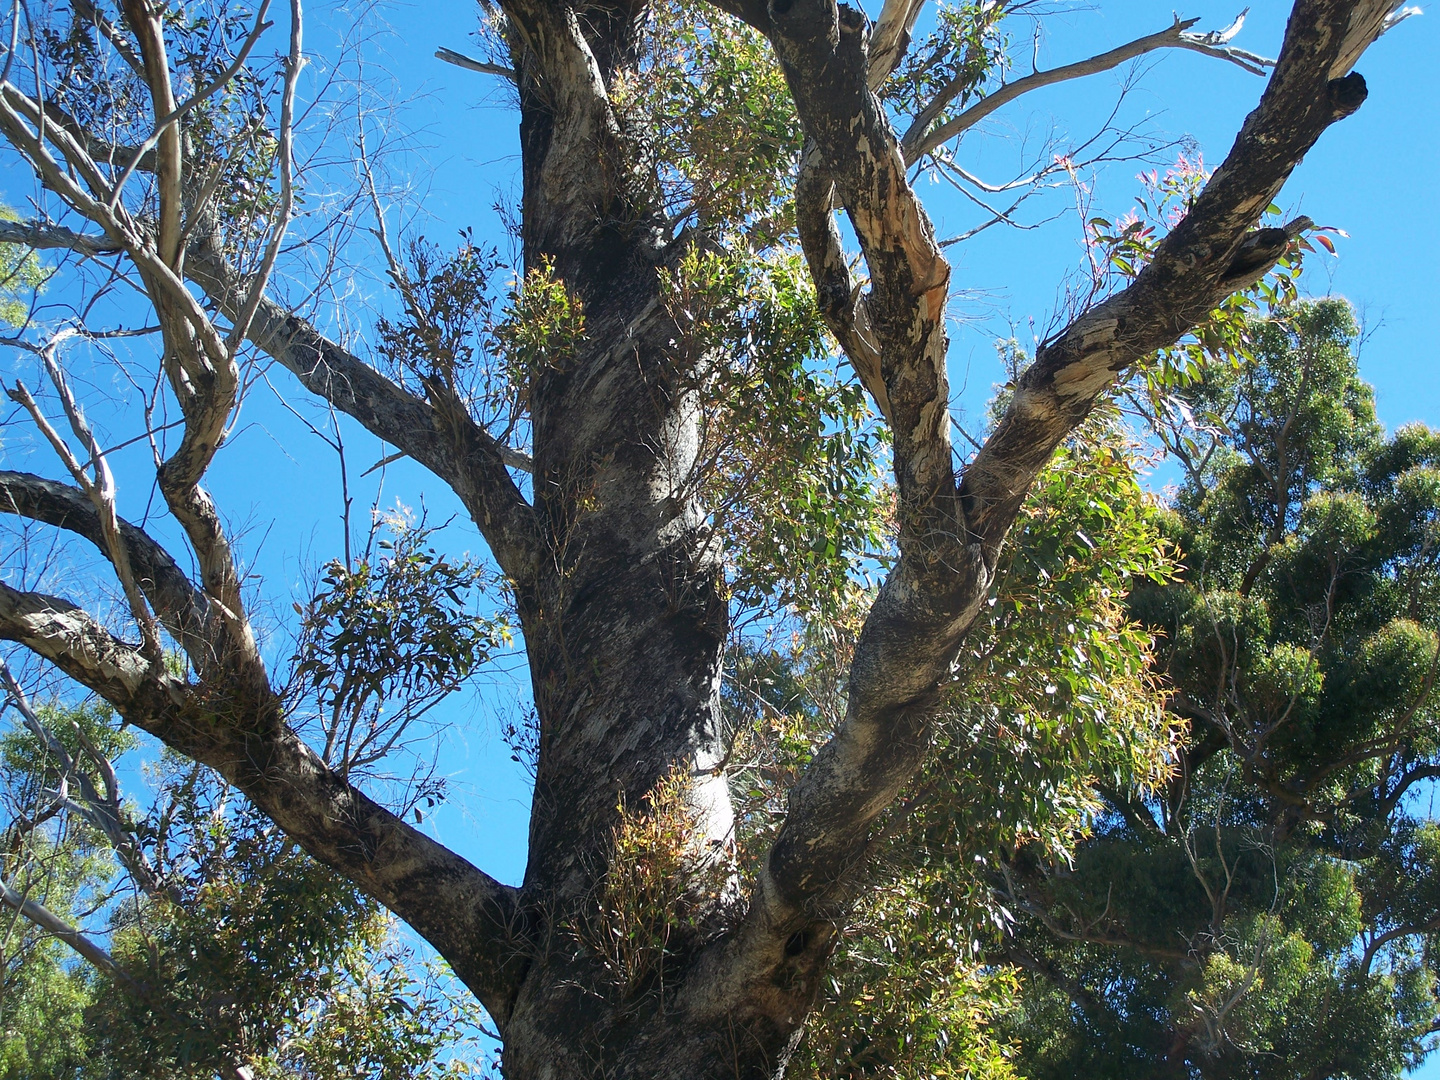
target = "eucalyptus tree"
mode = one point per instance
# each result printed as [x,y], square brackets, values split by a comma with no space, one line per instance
[613,435]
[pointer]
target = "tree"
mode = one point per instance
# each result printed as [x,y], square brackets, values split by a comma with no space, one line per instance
[1270,910]
[1058,698]
[1262,906]
[659,333]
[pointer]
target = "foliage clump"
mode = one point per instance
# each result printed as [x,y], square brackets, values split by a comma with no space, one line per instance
[1263,913]
[658,893]
[228,946]
[1054,697]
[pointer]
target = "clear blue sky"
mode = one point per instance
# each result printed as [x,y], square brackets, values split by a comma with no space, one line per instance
[1374,175]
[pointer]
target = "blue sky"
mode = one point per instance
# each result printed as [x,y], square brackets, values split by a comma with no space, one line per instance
[1374,175]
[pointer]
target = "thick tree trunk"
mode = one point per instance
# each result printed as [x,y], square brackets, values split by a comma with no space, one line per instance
[625,619]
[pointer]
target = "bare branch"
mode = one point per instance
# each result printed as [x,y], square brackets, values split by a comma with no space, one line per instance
[164,284]
[839,299]
[165,137]
[68,637]
[921,138]
[42,236]
[1214,251]
[58,928]
[100,491]
[1368,20]
[180,607]
[17,114]
[1379,941]
[285,156]
[450,56]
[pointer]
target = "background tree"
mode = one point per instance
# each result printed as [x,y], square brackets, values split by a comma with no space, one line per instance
[594,429]
[1270,910]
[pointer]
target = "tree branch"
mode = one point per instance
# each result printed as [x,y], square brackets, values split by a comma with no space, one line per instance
[1072,988]
[468,916]
[42,236]
[181,608]
[921,138]
[101,150]
[99,490]
[167,290]
[1381,940]
[1406,781]
[37,913]
[1213,252]
[450,56]
[950,537]
[933,592]
[458,451]
[841,304]
[890,39]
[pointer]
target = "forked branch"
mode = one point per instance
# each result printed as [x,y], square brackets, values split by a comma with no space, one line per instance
[179,605]
[467,915]
[453,447]
[950,536]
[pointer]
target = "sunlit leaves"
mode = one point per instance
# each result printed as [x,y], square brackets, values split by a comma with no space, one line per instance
[383,641]
[1054,694]
[793,456]
[542,327]
[655,889]
[964,51]
[712,110]
[1056,682]
[903,1000]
